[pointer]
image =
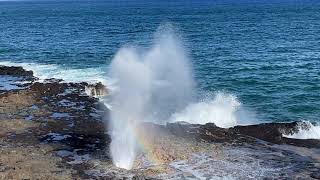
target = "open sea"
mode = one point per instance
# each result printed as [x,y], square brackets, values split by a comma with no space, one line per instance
[266,53]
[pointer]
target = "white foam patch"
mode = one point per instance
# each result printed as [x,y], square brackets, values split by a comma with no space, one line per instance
[221,110]
[207,166]
[306,130]
[47,71]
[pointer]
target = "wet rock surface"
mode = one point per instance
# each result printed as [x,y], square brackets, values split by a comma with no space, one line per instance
[54,130]
[14,78]
[15,71]
[42,119]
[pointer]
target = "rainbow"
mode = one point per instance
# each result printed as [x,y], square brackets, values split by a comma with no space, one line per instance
[145,145]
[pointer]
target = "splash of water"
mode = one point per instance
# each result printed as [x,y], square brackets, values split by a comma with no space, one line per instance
[150,87]
[221,110]
[157,85]
[306,130]
[47,71]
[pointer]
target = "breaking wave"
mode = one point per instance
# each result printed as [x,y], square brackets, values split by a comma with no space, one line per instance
[47,71]
[221,110]
[306,130]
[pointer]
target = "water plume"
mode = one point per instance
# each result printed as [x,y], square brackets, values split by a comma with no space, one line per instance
[151,86]
[157,85]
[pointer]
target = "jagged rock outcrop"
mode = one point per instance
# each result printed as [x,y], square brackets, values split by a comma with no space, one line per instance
[14,71]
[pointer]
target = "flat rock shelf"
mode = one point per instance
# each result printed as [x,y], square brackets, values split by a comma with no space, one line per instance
[56,130]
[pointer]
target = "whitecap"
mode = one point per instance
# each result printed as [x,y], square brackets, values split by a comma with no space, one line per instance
[220,110]
[306,130]
[48,71]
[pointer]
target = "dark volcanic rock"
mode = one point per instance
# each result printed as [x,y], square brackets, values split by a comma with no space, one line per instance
[270,132]
[48,88]
[51,116]
[58,129]
[14,71]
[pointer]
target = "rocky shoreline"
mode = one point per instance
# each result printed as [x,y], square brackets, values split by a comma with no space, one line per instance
[56,130]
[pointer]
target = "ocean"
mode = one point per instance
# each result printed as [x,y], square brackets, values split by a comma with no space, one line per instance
[264,53]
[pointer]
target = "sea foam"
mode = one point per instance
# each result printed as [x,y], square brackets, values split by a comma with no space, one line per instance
[221,110]
[47,71]
[306,130]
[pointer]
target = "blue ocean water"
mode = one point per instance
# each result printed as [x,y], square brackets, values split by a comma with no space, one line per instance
[267,53]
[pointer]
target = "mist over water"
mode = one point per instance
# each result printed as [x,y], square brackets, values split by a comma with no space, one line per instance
[151,86]
[157,86]
[221,110]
